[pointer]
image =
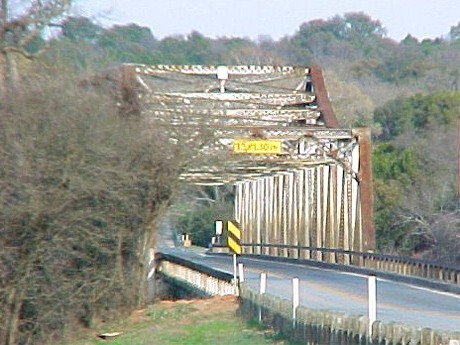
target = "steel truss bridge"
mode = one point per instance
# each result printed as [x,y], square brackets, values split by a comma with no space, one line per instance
[303,190]
[300,180]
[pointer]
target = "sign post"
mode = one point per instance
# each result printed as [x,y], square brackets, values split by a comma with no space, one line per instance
[235,283]
[234,244]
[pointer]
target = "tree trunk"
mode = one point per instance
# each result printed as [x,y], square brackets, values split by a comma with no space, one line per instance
[119,274]
[9,76]
[142,268]
[12,320]
[145,247]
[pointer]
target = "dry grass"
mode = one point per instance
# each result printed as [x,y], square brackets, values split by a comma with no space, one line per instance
[192,322]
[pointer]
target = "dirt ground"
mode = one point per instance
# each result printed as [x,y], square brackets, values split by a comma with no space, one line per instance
[204,306]
[212,320]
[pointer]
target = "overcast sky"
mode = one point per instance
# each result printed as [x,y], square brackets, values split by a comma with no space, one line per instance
[276,18]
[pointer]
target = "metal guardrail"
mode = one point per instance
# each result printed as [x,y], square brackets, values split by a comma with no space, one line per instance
[224,276]
[380,262]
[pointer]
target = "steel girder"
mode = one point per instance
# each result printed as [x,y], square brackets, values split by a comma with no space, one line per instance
[314,190]
[266,102]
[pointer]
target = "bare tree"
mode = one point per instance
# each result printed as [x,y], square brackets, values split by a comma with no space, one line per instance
[19,30]
[81,190]
[430,210]
[352,106]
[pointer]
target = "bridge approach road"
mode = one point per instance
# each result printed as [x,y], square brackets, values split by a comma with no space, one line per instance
[337,291]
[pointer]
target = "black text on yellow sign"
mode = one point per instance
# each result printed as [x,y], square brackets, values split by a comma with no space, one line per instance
[257,146]
[234,237]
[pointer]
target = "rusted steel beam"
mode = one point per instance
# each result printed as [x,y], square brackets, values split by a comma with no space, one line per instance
[314,188]
[366,188]
[320,92]
[458,156]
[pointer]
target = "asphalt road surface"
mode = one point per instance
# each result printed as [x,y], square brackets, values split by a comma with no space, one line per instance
[337,291]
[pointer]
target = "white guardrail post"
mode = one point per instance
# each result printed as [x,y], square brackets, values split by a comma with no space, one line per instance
[235,281]
[372,296]
[295,298]
[263,283]
[241,272]
[263,289]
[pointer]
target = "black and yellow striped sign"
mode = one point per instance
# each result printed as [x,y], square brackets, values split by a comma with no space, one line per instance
[234,237]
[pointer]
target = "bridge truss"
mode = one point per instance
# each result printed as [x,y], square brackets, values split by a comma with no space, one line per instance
[299,179]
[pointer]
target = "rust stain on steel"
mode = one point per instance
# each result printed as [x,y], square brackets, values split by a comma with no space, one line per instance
[287,104]
[317,79]
[458,156]
[366,187]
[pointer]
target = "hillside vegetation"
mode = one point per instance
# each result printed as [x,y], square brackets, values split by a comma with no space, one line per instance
[83,185]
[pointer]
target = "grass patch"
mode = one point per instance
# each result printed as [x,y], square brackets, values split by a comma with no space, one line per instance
[205,322]
[177,313]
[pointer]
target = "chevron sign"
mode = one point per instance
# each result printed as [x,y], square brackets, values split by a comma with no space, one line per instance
[234,237]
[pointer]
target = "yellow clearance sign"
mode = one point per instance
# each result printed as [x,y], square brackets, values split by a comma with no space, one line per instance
[257,146]
[234,237]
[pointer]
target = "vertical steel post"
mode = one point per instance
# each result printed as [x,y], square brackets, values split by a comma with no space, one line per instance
[235,278]
[329,213]
[295,213]
[279,206]
[285,214]
[246,218]
[290,227]
[252,214]
[308,209]
[259,210]
[302,229]
[318,212]
[458,156]
[366,190]
[267,222]
[271,212]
